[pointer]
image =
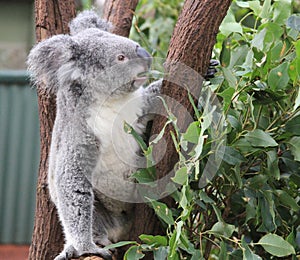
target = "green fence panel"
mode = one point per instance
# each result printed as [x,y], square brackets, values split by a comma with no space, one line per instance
[19,156]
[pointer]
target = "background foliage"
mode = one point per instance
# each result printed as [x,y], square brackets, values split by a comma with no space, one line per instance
[250,209]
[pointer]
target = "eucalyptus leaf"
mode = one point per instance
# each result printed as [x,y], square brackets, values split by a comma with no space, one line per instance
[294,144]
[160,253]
[255,6]
[229,24]
[259,138]
[227,96]
[120,244]
[181,176]
[297,101]
[223,228]
[192,133]
[287,200]
[278,77]
[276,245]
[163,212]
[154,240]
[272,163]
[294,22]
[293,125]
[247,253]
[133,253]
[266,9]
[232,156]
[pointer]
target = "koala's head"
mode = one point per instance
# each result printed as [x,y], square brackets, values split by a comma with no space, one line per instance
[90,59]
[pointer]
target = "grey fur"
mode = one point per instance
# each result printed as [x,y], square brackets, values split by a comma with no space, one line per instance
[92,82]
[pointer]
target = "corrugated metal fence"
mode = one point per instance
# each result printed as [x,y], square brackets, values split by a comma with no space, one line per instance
[19,156]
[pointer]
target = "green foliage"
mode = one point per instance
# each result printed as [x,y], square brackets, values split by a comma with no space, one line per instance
[250,208]
[154,23]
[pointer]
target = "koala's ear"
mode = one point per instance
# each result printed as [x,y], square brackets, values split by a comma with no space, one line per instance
[86,20]
[46,58]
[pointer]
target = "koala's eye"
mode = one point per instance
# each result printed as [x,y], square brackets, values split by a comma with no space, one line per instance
[121,57]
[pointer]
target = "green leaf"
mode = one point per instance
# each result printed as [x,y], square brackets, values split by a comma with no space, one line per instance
[197,255]
[282,10]
[294,22]
[230,77]
[266,9]
[160,253]
[272,162]
[192,133]
[129,130]
[255,7]
[223,250]
[247,253]
[259,138]
[287,200]
[297,101]
[232,156]
[279,77]
[133,253]
[227,96]
[294,144]
[225,53]
[242,4]
[203,196]
[235,123]
[154,240]
[293,125]
[258,40]
[163,212]
[181,176]
[143,176]
[267,206]
[276,245]
[244,146]
[229,24]
[223,228]
[121,243]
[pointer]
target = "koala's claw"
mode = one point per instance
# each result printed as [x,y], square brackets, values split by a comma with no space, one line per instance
[211,69]
[70,252]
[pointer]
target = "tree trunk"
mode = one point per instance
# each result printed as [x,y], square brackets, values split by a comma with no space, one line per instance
[191,44]
[51,17]
[120,14]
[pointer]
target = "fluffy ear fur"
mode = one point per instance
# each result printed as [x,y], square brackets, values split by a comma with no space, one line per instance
[45,59]
[86,20]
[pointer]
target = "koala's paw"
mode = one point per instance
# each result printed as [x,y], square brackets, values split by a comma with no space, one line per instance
[212,69]
[70,252]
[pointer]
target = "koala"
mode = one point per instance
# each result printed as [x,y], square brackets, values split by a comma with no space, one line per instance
[98,80]
[97,77]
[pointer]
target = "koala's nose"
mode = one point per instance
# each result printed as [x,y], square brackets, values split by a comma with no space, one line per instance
[142,53]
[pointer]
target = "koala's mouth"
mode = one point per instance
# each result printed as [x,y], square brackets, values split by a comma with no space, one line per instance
[141,78]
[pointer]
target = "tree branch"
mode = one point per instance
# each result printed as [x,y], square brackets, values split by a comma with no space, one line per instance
[51,17]
[120,14]
[191,44]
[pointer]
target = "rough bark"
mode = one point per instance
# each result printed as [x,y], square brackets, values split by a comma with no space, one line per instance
[120,14]
[51,17]
[191,44]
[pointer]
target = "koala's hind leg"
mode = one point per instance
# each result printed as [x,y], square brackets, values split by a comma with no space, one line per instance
[75,204]
[100,235]
[110,226]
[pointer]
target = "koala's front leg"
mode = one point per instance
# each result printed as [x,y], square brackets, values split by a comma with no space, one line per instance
[75,200]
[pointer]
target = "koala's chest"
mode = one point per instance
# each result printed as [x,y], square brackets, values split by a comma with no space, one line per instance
[118,150]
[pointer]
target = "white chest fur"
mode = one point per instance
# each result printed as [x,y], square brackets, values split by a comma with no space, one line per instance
[118,156]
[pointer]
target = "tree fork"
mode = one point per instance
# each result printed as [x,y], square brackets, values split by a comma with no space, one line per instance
[51,18]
